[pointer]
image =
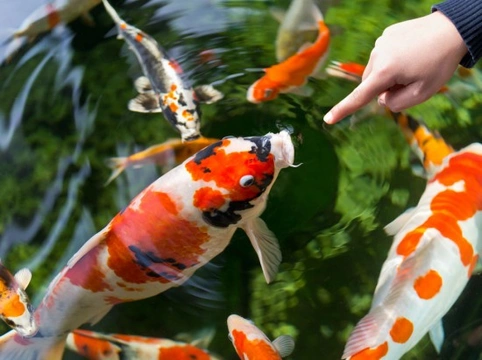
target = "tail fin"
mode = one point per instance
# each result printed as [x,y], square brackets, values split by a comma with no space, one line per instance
[349,71]
[15,347]
[428,145]
[118,165]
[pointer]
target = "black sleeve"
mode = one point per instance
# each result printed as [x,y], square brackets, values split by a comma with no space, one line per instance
[466,15]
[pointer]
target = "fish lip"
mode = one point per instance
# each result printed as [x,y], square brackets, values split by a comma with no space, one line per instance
[283,149]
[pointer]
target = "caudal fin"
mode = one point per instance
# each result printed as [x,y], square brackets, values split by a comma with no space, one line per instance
[118,165]
[111,11]
[15,347]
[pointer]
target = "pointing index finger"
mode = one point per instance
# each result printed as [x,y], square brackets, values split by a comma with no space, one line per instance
[359,97]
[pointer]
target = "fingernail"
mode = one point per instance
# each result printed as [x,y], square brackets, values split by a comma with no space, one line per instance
[328,117]
[381,102]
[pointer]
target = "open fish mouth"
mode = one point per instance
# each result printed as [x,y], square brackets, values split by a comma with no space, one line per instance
[282,148]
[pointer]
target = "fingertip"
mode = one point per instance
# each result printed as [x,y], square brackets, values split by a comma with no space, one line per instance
[328,118]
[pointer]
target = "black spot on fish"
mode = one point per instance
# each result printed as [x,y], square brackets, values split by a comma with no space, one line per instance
[223,219]
[412,123]
[170,115]
[145,259]
[206,152]
[265,182]
[262,148]
[206,170]
[181,100]
[180,266]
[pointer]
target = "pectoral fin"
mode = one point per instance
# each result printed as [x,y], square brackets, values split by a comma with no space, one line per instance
[143,85]
[437,335]
[145,103]
[23,277]
[284,344]
[278,14]
[208,94]
[304,90]
[396,225]
[266,246]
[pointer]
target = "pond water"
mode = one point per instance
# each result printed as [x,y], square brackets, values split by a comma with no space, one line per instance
[63,112]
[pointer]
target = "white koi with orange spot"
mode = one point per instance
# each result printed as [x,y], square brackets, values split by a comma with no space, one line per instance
[15,308]
[433,254]
[48,16]
[252,344]
[172,228]
[97,346]
[164,87]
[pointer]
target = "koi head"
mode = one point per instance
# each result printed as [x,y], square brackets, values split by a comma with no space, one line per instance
[234,175]
[250,342]
[15,307]
[263,90]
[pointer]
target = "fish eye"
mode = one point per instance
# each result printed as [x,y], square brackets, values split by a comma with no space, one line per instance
[267,93]
[246,180]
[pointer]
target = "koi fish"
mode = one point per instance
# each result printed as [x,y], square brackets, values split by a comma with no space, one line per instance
[15,307]
[433,253]
[172,228]
[167,154]
[96,346]
[298,25]
[251,343]
[291,75]
[48,16]
[163,88]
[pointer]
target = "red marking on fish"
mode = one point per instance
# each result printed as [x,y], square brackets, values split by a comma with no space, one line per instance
[207,199]
[53,16]
[372,354]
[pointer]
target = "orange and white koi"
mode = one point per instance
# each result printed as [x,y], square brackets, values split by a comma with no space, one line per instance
[433,255]
[164,87]
[291,75]
[172,228]
[298,25]
[252,344]
[48,16]
[15,307]
[167,154]
[97,346]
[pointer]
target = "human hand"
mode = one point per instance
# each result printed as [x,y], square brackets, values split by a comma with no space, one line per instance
[410,62]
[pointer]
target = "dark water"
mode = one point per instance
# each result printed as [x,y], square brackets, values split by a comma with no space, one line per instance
[63,112]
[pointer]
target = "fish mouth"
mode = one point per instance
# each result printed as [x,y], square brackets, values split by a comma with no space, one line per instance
[283,149]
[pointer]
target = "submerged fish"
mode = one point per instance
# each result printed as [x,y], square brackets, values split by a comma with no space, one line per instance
[433,253]
[163,88]
[97,346]
[291,75]
[15,308]
[298,26]
[53,13]
[252,344]
[172,228]
[167,154]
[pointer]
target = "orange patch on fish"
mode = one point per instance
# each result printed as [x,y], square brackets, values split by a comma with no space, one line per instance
[207,199]
[428,285]
[233,166]
[151,242]
[173,107]
[13,307]
[139,37]
[123,26]
[252,349]
[175,66]
[187,115]
[91,347]
[173,87]
[372,354]
[410,242]
[185,352]
[53,16]
[472,265]
[401,330]
[86,272]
